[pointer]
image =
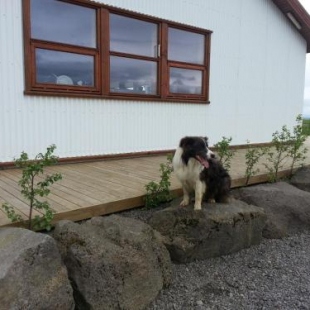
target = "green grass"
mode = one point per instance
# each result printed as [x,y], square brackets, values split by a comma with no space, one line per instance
[306,126]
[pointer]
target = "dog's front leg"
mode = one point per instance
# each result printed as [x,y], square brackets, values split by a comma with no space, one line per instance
[186,197]
[199,191]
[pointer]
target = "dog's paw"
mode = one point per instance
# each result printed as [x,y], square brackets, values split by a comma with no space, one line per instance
[197,206]
[184,203]
[212,200]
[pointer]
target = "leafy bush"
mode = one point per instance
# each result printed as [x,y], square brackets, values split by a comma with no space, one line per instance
[277,153]
[285,146]
[297,151]
[31,190]
[157,193]
[224,152]
[252,157]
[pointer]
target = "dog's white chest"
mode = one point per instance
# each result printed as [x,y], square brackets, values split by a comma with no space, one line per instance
[187,174]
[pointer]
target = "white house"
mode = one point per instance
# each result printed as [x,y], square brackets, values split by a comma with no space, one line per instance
[115,77]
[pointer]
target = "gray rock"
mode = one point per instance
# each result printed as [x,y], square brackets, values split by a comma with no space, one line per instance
[301,179]
[217,229]
[114,262]
[287,207]
[32,275]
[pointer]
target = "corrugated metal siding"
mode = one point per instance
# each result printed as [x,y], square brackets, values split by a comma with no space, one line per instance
[256,86]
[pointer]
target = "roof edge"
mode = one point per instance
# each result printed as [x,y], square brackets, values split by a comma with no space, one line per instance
[297,12]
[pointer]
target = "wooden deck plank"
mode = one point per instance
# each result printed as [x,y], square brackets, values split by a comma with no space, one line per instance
[74,195]
[57,202]
[140,163]
[7,190]
[96,182]
[101,209]
[15,202]
[70,193]
[116,174]
[105,178]
[69,197]
[146,173]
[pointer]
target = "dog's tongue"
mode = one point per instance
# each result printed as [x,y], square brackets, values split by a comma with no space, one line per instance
[203,161]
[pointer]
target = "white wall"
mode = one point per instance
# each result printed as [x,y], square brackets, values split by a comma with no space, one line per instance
[256,86]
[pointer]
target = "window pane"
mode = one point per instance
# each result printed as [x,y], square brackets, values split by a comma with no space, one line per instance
[133,76]
[186,46]
[132,36]
[63,22]
[64,68]
[184,81]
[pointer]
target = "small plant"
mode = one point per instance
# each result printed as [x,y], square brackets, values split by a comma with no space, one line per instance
[157,193]
[287,146]
[297,151]
[277,154]
[252,156]
[224,152]
[31,190]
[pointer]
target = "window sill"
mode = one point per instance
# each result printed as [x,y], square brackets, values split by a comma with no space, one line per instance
[96,95]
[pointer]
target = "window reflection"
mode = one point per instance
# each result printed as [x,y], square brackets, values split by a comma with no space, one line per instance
[63,22]
[185,46]
[185,81]
[133,76]
[64,68]
[133,36]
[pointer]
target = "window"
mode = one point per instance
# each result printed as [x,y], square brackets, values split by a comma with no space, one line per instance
[81,48]
[63,47]
[186,59]
[133,55]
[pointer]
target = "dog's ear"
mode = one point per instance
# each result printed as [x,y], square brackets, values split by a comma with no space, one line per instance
[188,146]
[206,140]
[187,141]
[182,142]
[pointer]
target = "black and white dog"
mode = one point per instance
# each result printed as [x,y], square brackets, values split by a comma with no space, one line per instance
[198,170]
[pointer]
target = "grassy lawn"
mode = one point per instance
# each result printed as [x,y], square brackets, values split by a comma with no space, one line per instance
[306,126]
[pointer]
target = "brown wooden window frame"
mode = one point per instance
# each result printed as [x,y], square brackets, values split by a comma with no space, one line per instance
[101,54]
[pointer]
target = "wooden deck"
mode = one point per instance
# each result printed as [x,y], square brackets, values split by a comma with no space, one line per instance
[103,187]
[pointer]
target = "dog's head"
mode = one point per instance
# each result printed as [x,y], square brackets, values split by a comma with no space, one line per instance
[197,148]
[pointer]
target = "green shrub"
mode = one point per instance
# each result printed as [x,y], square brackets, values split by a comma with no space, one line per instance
[157,193]
[277,153]
[224,152]
[33,190]
[297,151]
[286,146]
[252,157]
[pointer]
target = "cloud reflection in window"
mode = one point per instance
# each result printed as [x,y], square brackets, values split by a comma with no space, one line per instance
[64,68]
[133,36]
[133,76]
[186,46]
[62,22]
[185,81]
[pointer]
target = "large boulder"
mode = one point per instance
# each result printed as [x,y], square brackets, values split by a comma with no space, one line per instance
[114,262]
[32,275]
[301,179]
[217,229]
[287,207]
